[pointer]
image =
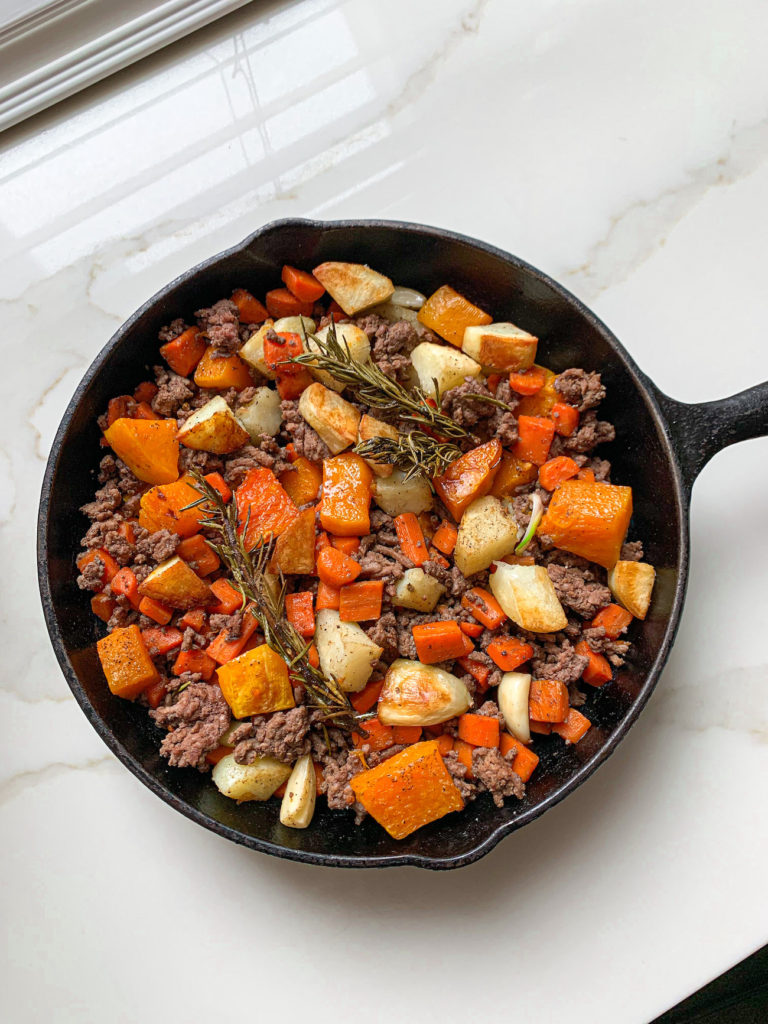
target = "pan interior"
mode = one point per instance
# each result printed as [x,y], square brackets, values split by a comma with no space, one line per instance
[423,259]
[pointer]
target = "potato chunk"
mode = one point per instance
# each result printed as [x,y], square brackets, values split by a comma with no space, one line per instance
[335,420]
[487,531]
[631,584]
[353,285]
[418,590]
[262,415]
[416,694]
[441,367]
[527,595]
[257,781]
[500,347]
[369,428]
[345,650]
[395,495]
[356,341]
[213,428]
[253,351]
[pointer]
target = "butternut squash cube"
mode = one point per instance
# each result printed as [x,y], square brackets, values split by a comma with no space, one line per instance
[588,519]
[542,402]
[174,583]
[148,448]
[449,314]
[221,372]
[165,507]
[126,662]
[512,473]
[408,790]
[256,683]
[295,547]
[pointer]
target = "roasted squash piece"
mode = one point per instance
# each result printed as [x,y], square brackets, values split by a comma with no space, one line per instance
[256,683]
[222,372]
[409,790]
[588,519]
[542,402]
[295,547]
[302,481]
[126,662]
[512,473]
[148,448]
[174,583]
[165,508]
[345,508]
[448,314]
[263,507]
[470,476]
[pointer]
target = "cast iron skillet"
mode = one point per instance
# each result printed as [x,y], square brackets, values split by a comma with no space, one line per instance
[662,445]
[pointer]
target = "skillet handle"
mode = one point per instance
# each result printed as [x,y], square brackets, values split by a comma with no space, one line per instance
[702,430]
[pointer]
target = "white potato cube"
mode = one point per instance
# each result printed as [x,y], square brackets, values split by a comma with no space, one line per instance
[213,428]
[527,595]
[369,428]
[353,285]
[512,698]
[253,350]
[298,804]
[262,415]
[442,366]
[418,590]
[334,418]
[500,346]
[345,651]
[487,531]
[631,583]
[395,495]
[257,781]
[356,341]
[294,325]
[394,313]
[416,694]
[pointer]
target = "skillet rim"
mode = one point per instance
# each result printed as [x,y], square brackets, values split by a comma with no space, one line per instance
[648,392]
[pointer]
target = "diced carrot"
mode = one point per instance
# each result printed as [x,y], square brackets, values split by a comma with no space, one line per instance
[406,734]
[493,381]
[548,700]
[479,730]
[291,378]
[445,537]
[335,310]
[162,639]
[554,471]
[565,418]
[195,619]
[440,641]
[263,507]
[411,538]
[215,755]
[484,607]
[124,582]
[290,452]
[509,652]
[161,613]
[528,382]
[302,285]
[534,437]
[184,352]
[524,761]
[345,508]
[361,602]
[249,309]
[445,744]
[145,391]
[280,303]
[463,751]
[111,568]
[614,619]
[302,481]
[367,697]
[119,407]
[543,728]
[194,661]
[574,727]
[379,735]
[335,568]
[586,474]
[221,372]
[155,693]
[313,656]
[327,596]
[348,545]
[598,671]
[102,606]
[473,629]
[127,530]
[477,669]
[217,481]
[300,613]
[144,411]
[435,556]
[197,552]
[229,599]
[322,541]
[468,477]
[223,649]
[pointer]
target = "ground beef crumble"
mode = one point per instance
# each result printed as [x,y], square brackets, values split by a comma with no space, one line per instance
[197,718]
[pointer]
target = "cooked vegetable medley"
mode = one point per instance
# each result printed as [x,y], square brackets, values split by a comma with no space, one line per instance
[353,544]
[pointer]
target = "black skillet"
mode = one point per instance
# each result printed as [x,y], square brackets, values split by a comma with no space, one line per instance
[661,446]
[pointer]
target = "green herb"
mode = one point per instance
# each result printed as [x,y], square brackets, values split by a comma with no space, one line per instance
[248,569]
[537,510]
[415,453]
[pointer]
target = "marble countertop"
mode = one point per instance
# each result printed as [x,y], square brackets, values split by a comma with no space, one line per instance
[621,147]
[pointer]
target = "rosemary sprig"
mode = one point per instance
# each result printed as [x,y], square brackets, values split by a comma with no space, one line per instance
[415,453]
[249,573]
[373,387]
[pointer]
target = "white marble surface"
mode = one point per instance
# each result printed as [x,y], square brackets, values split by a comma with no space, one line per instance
[622,147]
